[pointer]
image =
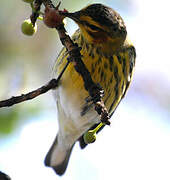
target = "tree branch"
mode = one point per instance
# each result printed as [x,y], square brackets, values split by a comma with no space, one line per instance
[31,95]
[24,97]
[95,91]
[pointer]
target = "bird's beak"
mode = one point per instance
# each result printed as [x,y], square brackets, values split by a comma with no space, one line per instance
[74,16]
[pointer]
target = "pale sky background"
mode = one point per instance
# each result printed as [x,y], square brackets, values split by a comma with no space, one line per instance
[137,144]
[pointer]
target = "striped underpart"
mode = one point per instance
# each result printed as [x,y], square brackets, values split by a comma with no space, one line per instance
[113,72]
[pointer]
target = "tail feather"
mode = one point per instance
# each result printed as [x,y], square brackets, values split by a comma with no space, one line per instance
[58,157]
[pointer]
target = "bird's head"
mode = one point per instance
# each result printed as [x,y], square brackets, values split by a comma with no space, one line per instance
[99,24]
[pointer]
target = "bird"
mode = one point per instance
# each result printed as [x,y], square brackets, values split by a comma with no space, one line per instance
[110,57]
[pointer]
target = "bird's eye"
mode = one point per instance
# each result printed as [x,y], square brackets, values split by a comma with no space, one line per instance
[93,27]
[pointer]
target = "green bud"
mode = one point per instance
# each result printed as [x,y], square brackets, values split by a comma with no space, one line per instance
[28,1]
[28,28]
[90,137]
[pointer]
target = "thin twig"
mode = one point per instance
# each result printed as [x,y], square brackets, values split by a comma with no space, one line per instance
[94,90]
[35,14]
[24,97]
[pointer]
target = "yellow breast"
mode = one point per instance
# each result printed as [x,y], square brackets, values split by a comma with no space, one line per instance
[110,70]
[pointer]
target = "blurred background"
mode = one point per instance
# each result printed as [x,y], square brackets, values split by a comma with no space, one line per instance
[135,146]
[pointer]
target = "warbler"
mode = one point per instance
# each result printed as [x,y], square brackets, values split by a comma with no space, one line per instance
[110,58]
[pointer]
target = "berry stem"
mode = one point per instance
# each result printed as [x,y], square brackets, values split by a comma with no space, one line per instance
[40,18]
[98,127]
